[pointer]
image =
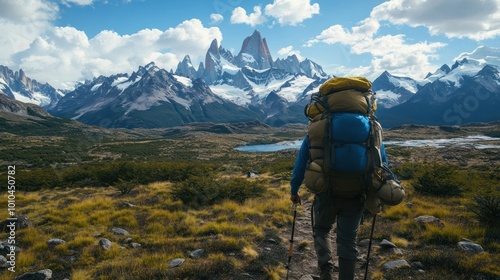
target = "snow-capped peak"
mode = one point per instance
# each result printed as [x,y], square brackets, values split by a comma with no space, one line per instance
[483,55]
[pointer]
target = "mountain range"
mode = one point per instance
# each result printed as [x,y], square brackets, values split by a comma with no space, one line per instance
[252,86]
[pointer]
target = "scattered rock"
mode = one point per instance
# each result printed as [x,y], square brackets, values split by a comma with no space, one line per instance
[390,265]
[5,249]
[135,245]
[470,247]
[396,251]
[127,240]
[246,274]
[105,244]
[20,222]
[119,231]
[417,265]
[128,204]
[427,219]
[364,243]
[271,240]
[176,262]
[252,174]
[55,241]
[197,253]
[306,277]
[387,244]
[3,262]
[39,275]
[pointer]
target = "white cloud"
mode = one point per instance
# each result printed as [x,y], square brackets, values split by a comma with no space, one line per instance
[27,11]
[71,56]
[291,12]
[21,22]
[216,18]
[390,52]
[476,20]
[239,15]
[78,2]
[190,37]
[288,51]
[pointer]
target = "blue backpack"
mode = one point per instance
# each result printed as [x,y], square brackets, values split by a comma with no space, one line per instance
[344,142]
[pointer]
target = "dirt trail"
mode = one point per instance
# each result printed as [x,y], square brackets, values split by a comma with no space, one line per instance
[304,265]
[304,257]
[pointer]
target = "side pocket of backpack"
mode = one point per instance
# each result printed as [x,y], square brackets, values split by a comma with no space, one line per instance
[314,178]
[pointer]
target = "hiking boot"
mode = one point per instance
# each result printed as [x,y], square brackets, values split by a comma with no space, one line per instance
[326,273]
[346,269]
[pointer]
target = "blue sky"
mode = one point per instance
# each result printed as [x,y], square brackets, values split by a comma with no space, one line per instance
[65,41]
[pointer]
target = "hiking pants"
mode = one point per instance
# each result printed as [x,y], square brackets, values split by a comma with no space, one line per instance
[347,212]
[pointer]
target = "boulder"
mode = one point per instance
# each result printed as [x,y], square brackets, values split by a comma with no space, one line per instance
[176,262]
[105,244]
[119,231]
[39,275]
[390,265]
[197,253]
[470,247]
[55,241]
[20,222]
[387,244]
[427,219]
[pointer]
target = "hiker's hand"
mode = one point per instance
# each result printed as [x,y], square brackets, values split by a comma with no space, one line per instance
[375,210]
[295,198]
[372,204]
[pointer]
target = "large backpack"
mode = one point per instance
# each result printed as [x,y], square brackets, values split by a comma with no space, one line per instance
[345,137]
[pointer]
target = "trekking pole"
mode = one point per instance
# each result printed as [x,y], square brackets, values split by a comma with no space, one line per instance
[369,247]
[290,250]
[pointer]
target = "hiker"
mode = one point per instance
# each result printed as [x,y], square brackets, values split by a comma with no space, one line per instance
[347,212]
[330,207]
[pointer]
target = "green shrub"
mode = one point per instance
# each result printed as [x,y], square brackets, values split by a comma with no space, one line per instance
[487,209]
[406,171]
[206,190]
[105,174]
[438,180]
[125,187]
[279,165]
[36,179]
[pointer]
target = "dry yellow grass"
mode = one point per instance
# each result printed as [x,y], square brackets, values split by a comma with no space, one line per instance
[164,227]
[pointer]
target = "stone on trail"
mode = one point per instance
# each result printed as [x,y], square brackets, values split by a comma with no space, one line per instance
[387,244]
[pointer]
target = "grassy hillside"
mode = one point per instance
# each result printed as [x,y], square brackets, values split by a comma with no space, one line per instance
[178,190]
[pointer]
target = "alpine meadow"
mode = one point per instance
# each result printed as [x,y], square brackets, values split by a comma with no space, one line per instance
[153,140]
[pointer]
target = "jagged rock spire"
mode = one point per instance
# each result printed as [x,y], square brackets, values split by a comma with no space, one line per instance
[255,53]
